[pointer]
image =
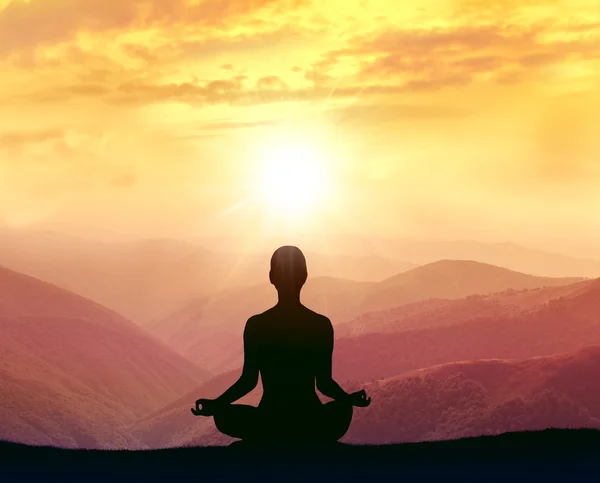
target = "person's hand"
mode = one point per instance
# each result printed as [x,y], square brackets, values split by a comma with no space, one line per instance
[360,399]
[204,407]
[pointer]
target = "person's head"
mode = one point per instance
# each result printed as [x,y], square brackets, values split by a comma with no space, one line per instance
[288,269]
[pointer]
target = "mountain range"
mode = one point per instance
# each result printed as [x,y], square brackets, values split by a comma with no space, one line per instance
[509,255]
[454,339]
[482,397]
[73,372]
[146,280]
[450,279]
[446,349]
[563,324]
[209,332]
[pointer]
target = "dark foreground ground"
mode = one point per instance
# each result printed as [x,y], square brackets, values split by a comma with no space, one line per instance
[551,455]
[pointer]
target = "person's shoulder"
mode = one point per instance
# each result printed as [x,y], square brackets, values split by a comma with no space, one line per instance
[258,319]
[254,320]
[319,319]
[253,327]
[316,315]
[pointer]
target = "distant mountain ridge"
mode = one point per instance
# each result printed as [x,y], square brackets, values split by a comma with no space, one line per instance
[560,325]
[447,401]
[421,251]
[483,397]
[451,279]
[174,425]
[438,312]
[505,254]
[209,332]
[473,343]
[149,279]
[73,372]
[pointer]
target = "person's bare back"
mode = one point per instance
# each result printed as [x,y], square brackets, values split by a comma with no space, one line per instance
[290,346]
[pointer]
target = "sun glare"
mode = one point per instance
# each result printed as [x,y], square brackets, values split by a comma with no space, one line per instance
[293,179]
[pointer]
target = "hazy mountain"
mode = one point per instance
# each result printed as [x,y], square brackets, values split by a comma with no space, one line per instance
[254,267]
[367,268]
[209,331]
[450,279]
[506,255]
[140,280]
[74,371]
[481,398]
[42,404]
[175,425]
[443,312]
[423,251]
[478,327]
[564,324]
[426,314]
[454,400]
[148,279]
[219,348]
[335,297]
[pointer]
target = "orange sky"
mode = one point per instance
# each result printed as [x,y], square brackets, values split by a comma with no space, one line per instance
[432,118]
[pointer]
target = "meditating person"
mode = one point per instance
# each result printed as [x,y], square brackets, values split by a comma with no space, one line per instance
[291,347]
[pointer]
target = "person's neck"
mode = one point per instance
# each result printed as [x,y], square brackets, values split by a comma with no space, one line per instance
[288,299]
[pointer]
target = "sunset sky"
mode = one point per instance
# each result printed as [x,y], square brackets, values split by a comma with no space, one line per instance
[429,118]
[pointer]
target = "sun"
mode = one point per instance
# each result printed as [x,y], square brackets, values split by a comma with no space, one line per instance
[293,178]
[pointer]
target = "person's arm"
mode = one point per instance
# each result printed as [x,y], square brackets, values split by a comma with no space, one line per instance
[325,383]
[249,378]
[247,381]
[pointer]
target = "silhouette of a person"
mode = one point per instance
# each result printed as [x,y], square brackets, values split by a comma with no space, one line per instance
[291,347]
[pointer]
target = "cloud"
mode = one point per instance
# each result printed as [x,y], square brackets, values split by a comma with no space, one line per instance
[228,44]
[124,180]
[140,52]
[211,92]
[317,77]
[434,58]
[480,63]
[271,82]
[210,130]
[19,140]
[233,91]
[227,125]
[177,49]
[21,22]
[454,53]
[566,143]
[195,137]
[448,39]
[377,114]
[452,80]
[511,76]
[392,60]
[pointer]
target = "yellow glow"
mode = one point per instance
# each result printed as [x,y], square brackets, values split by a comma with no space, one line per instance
[164,118]
[293,178]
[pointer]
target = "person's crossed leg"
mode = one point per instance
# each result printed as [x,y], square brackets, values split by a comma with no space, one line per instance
[326,423]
